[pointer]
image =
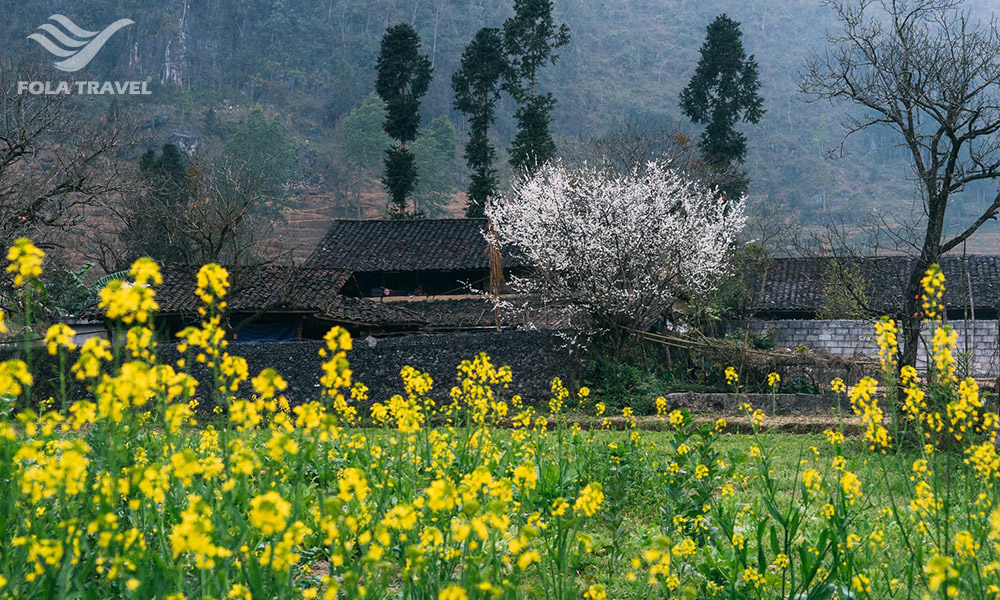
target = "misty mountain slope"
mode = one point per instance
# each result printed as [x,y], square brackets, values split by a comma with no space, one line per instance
[312,61]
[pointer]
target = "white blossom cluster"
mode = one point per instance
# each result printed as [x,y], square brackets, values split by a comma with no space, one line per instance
[622,248]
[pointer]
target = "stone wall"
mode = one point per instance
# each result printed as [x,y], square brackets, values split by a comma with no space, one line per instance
[535,357]
[730,404]
[857,338]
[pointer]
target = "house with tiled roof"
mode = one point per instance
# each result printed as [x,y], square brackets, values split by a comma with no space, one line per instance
[437,268]
[801,288]
[373,277]
[427,257]
[275,303]
[793,304]
[271,287]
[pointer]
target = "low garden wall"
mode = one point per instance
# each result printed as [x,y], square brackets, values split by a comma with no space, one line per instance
[535,357]
[709,403]
[979,339]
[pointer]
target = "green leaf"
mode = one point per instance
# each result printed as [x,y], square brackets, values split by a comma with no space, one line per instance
[805,562]
[771,508]
[822,591]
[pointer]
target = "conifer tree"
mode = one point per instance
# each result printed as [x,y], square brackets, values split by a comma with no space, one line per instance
[165,178]
[477,85]
[403,75]
[723,91]
[531,37]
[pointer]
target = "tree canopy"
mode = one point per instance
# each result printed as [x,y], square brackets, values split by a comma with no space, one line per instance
[434,150]
[478,84]
[363,139]
[403,75]
[723,91]
[620,248]
[264,146]
[531,38]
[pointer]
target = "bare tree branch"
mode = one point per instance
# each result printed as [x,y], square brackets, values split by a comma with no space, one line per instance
[924,69]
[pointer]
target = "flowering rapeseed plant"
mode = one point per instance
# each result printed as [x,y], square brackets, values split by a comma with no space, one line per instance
[25,261]
[122,493]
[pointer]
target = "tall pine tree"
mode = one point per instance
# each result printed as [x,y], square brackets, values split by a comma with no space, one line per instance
[723,91]
[531,38]
[478,84]
[403,75]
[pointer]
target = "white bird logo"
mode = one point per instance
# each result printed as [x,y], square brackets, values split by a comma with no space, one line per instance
[78,46]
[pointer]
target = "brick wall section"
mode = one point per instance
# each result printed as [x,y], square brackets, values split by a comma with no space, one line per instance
[857,338]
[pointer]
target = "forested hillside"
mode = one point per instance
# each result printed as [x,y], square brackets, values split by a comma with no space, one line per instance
[311,61]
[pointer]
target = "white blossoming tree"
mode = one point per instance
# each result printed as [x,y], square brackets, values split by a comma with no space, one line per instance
[621,248]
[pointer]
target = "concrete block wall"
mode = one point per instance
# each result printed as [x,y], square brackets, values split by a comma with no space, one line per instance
[857,338]
[980,340]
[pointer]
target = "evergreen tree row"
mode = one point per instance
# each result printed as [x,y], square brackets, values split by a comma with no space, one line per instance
[723,91]
[498,60]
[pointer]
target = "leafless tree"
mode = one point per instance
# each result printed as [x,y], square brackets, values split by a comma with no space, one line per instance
[771,225]
[636,142]
[230,218]
[925,69]
[226,214]
[56,159]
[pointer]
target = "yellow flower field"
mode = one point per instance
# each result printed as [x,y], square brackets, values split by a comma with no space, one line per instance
[123,494]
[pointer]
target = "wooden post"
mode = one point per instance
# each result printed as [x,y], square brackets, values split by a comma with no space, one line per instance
[496,271]
[996,388]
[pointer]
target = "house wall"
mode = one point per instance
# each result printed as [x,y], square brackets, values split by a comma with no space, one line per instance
[857,338]
[427,283]
[85,331]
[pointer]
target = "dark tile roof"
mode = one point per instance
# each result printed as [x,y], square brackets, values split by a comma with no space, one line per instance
[458,313]
[345,309]
[405,245]
[476,312]
[275,288]
[797,284]
[788,284]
